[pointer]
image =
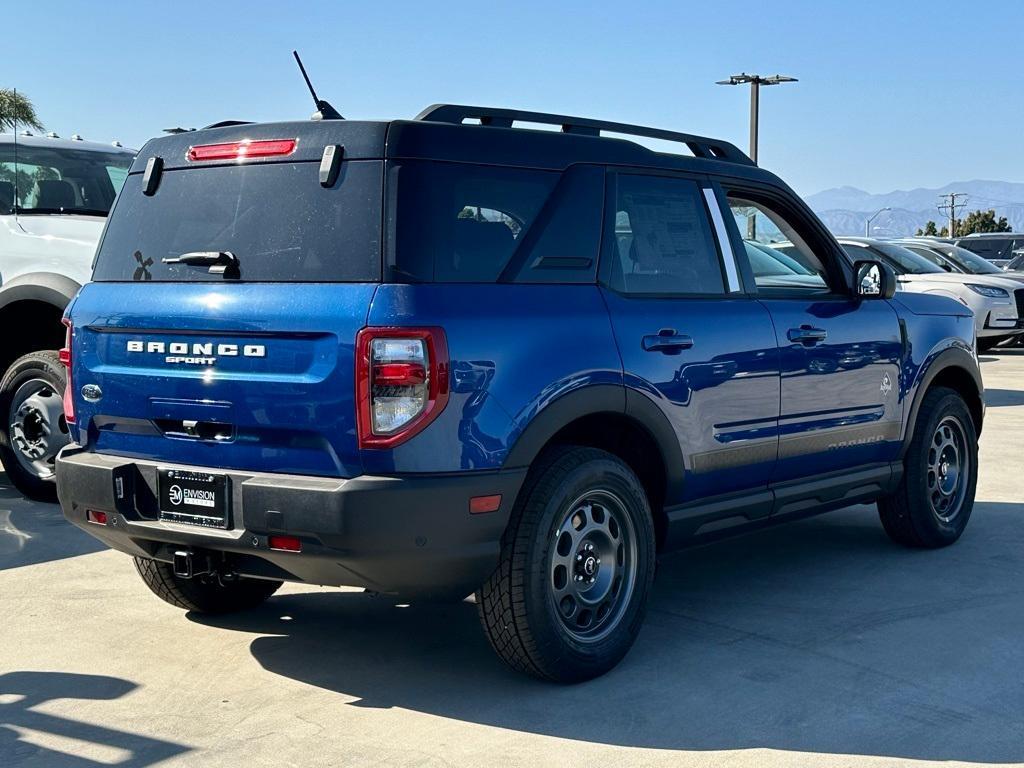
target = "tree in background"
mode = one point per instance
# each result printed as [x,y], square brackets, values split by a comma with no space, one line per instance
[982,221]
[16,109]
[930,230]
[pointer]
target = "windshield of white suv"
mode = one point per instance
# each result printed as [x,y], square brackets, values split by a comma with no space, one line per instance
[60,180]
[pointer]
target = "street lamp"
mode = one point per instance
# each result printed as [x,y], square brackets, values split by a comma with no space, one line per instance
[872,217]
[756,81]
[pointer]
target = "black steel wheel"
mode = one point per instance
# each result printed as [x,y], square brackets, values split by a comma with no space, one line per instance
[593,565]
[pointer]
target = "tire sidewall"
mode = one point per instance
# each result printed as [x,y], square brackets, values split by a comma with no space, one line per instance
[574,656]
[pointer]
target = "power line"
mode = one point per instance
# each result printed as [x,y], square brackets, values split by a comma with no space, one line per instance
[951,209]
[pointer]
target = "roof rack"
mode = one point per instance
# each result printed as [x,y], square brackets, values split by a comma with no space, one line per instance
[700,146]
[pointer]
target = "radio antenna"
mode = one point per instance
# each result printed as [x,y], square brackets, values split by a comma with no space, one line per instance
[324,110]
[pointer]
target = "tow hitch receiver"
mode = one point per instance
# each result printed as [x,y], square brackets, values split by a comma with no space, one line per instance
[188,564]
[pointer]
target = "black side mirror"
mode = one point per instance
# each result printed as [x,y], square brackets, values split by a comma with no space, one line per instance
[873,280]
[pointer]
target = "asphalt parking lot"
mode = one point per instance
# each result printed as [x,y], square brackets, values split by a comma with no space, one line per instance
[817,643]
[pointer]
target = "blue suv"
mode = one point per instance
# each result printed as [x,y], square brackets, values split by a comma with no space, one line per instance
[467,353]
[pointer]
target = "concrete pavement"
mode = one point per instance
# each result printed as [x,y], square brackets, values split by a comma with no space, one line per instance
[818,643]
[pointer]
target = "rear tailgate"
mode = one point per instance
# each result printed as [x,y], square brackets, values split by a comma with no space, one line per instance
[249,367]
[276,392]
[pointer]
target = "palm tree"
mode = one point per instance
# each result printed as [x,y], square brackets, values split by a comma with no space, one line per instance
[16,109]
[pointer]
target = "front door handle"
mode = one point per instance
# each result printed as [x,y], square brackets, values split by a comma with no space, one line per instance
[666,341]
[807,335]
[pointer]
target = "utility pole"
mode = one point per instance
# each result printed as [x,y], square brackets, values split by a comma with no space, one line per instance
[949,209]
[755,82]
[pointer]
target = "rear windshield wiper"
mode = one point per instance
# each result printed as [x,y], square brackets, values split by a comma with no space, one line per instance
[220,262]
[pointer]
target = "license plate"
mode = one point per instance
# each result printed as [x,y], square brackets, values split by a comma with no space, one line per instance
[196,498]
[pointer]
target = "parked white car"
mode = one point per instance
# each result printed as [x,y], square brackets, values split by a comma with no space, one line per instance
[996,300]
[55,195]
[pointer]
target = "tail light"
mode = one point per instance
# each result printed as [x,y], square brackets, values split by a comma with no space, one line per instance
[65,359]
[401,383]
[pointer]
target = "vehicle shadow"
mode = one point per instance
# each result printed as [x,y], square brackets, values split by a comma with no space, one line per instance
[33,532]
[820,637]
[94,745]
[999,398]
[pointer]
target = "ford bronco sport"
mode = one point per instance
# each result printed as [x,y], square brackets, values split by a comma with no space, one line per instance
[463,354]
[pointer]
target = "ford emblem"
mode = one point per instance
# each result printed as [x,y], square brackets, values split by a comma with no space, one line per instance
[92,392]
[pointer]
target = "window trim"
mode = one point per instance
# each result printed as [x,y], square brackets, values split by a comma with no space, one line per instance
[609,245]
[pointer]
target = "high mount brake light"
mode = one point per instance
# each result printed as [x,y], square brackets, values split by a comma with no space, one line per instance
[241,150]
[401,383]
[65,359]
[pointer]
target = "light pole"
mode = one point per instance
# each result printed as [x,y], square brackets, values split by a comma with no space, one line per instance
[756,81]
[872,217]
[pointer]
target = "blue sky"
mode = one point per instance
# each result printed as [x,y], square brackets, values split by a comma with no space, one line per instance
[891,94]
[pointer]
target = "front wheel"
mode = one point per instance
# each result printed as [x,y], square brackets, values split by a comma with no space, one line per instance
[933,502]
[32,404]
[568,597]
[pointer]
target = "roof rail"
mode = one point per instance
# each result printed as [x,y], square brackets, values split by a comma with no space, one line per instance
[700,146]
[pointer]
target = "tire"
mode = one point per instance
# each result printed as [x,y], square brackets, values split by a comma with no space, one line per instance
[572,498]
[933,503]
[203,594]
[34,429]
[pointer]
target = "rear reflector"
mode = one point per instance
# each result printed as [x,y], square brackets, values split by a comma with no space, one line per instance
[480,504]
[95,516]
[241,150]
[285,543]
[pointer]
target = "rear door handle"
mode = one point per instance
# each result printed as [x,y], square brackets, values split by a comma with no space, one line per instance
[807,334]
[667,341]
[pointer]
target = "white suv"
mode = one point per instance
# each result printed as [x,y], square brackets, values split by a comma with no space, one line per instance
[994,299]
[54,198]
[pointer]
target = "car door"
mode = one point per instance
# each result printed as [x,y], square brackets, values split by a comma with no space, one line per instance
[692,341]
[839,355]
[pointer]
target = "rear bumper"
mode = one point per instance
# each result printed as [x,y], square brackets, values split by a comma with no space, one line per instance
[405,535]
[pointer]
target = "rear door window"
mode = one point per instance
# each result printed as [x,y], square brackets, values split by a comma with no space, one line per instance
[276,219]
[662,239]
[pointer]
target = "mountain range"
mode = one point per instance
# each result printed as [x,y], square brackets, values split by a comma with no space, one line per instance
[845,209]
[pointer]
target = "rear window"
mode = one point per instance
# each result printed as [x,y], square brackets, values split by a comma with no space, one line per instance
[276,219]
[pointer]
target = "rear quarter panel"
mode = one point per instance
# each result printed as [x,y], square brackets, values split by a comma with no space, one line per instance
[514,349]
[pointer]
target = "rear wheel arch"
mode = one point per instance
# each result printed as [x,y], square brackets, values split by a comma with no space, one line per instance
[624,423]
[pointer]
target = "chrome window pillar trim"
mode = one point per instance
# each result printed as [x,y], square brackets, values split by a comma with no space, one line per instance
[731,273]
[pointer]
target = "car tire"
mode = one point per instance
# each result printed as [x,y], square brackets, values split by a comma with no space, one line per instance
[203,594]
[935,497]
[34,429]
[552,608]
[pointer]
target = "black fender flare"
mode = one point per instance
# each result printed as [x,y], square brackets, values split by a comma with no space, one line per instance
[597,399]
[951,357]
[47,287]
